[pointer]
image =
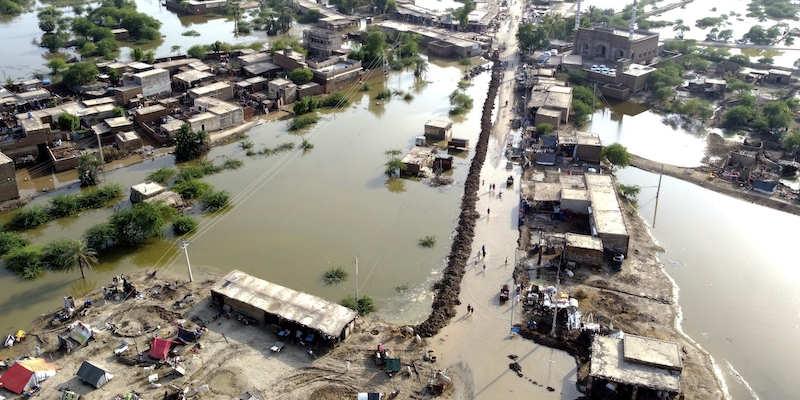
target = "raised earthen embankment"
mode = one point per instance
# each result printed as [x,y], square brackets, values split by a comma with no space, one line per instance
[448,288]
[700,176]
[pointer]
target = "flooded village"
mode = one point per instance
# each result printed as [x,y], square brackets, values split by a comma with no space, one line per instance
[219,200]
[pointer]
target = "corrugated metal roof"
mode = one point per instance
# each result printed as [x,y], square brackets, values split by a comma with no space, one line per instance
[303,308]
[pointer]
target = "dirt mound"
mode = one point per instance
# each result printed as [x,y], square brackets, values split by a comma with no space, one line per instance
[231,381]
[449,287]
[332,392]
[136,321]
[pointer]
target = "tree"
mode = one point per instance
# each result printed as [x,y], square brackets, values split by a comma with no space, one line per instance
[55,41]
[680,29]
[56,65]
[68,122]
[301,76]
[79,74]
[183,225]
[778,115]
[47,24]
[531,37]
[175,49]
[313,15]
[197,51]
[420,66]
[89,169]
[347,6]
[466,62]
[306,105]
[616,154]
[461,14]
[214,200]
[739,116]
[190,144]
[10,241]
[792,141]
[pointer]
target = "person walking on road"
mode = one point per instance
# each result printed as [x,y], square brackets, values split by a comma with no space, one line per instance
[483,249]
[488,210]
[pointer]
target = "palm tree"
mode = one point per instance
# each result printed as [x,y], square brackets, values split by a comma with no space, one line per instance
[420,66]
[79,255]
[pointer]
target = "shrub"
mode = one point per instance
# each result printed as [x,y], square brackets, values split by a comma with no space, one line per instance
[335,100]
[364,305]
[367,87]
[306,144]
[10,241]
[384,94]
[301,76]
[232,163]
[29,217]
[544,129]
[191,188]
[302,122]
[101,236]
[214,200]
[616,154]
[25,261]
[245,144]
[183,225]
[162,175]
[306,105]
[428,241]
[53,254]
[335,275]
[64,205]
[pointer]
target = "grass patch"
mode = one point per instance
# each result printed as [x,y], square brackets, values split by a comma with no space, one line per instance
[364,305]
[162,175]
[191,32]
[245,144]
[214,200]
[232,164]
[402,288]
[306,144]
[384,94]
[183,225]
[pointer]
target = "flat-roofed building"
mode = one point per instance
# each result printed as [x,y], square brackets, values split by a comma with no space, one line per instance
[217,90]
[607,220]
[612,43]
[154,82]
[8,175]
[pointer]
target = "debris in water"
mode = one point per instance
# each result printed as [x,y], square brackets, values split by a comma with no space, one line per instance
[549,389]
[513,356]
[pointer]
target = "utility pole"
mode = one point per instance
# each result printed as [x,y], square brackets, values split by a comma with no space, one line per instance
[658,191]
[356,261]
[102,160]
[555,301]
[184,245]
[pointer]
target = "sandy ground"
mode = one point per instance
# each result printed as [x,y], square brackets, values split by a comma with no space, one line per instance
[234,358]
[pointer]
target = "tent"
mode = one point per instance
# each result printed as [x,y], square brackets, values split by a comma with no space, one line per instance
[81,333]
[159,349]
[27,373]
[186,336]
[94,374]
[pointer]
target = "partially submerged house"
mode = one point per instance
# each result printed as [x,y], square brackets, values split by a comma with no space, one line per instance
[146,190]
[438,130]
[642,367]
[9,190]
[267,302]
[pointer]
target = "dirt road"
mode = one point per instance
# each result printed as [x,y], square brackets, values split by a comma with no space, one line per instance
[700,176]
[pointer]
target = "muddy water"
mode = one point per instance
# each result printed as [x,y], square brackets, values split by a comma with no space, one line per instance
[735,264]
[299,214]
[645,134]
[21,58]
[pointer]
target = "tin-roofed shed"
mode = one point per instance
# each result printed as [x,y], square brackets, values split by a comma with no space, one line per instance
[273,303]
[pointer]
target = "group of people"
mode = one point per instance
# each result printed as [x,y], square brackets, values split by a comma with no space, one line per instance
[470,309]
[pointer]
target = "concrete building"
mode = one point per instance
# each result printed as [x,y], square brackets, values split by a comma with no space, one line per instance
[204,122]
[283,91]
[611,43]
[588,147]
[196,7]
[217,90]
[550,96]
[215,114]
[269,303]
[321,43]
[263,69]
[584,250]
[438,130]
[779,77]
[637,365]
[128,141]
[254,58]
[8,176]
[154,82]
[146,190]
[174,65]
[150,113]
[251,85]
[548,116]
[607,221]
[192,78]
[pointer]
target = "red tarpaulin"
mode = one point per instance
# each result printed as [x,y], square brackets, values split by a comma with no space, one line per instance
[26,373]
[160,349]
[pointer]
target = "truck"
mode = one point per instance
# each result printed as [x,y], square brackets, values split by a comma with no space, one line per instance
[504,293]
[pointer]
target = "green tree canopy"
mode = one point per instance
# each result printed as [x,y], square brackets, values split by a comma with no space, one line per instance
[68,122]
[739,116]
[89,169]
[461,14]
[531,37]
[79,74]
[190,144]
[616,154]
[301,76]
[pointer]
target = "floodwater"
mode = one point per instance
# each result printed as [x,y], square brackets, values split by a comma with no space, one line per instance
[301,213]
[645,134]
[21,57]
[735,265]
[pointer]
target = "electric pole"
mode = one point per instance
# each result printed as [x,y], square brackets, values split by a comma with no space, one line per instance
[184,245]
[658,191]
[356,261]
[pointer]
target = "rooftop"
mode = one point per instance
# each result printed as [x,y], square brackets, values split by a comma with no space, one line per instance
[204,90]
[151,72]
[148,187]
[609,362]
[638,70]
[149,109]
[308,310]
[191,76]
[654,352]
[589,139]
[584,242]
[435,123]
[116,122]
